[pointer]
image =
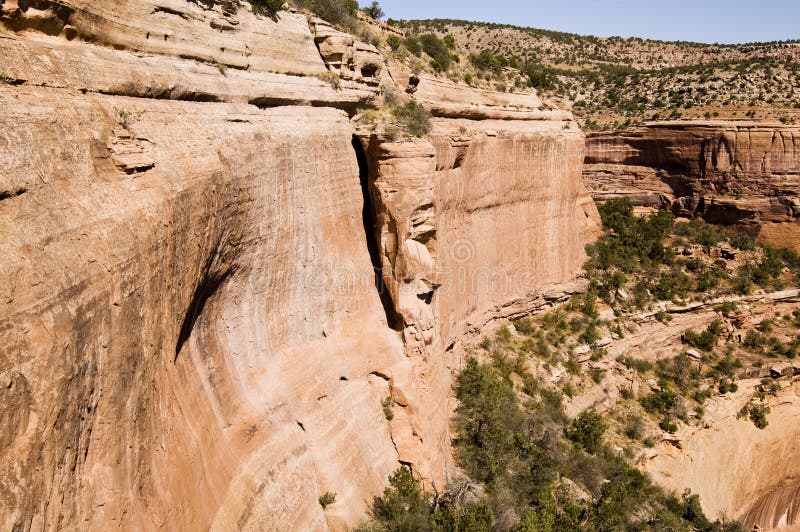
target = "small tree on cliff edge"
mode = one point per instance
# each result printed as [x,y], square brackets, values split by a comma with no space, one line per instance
[374,11]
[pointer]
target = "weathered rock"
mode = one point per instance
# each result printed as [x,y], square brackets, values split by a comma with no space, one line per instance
[737,469]
[345,56]
[734,173]
[447,99]
[191,332]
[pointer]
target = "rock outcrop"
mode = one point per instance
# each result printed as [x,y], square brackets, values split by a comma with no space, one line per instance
[474,224]
[738,470]
[192,331]
[735,173]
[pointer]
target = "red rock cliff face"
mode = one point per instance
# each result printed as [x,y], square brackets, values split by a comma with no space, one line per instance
[738,173]
[191,332]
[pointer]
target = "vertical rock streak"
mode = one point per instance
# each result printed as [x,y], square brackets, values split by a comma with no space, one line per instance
[191,328]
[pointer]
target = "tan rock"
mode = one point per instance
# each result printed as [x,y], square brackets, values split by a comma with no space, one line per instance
[191,332]
[738,173]
[737,469]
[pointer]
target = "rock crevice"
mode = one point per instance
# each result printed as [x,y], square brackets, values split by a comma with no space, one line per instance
[205,303]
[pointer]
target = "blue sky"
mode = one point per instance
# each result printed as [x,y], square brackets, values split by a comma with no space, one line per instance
[725,21]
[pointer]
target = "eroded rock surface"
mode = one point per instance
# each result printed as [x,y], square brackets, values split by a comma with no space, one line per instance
[734,173]
[738,470]
[191,330]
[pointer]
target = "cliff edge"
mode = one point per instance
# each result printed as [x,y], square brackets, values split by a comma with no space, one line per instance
[212,278]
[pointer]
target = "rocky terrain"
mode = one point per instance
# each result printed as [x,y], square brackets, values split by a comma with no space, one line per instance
[249,253]
[703,130]
[615,82]
[734,173]
[695,382]
[193,332]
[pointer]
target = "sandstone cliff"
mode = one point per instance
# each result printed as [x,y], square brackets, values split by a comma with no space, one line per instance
[737,173]
[739,470]
[192,331]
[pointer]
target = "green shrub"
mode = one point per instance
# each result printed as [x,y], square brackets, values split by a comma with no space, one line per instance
[267,7]
[403,506]
[374,10]
[671,284]
[754,340]
[394,42]
[679,370]
[706,340]
[709,279]
[693,512]
[341,12]
[661,402]
[413,117]
[727,387]
[743,242]
[326,499]
[413,45]
[587,431]
[449,41]
[503,334]
[487,407]
[437,49]
[728,366]
[523,326]
[573,366]
[700,232]
[388,405]
[633,242]
[663,317]
[477,517]
[634,427]
[758,415]
[668,425]
[757,412]
[641,366]
[515,449]
[590,335]
[727,309]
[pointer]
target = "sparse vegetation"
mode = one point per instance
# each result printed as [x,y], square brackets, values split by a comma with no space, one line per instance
[326,499]
[373,10]
[757,413]
[618,82]
[267,7]
[332,79]
[339,12]
[706,340]
[388,408]
[127,119]
[517,448]
[400,117]
[587,431]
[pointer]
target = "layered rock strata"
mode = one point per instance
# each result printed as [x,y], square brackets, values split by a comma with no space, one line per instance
[481,221]
[192,332]
[736,173]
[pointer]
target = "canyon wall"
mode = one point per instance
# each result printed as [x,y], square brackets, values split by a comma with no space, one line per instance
[734,173]
[738,470]
[192,331]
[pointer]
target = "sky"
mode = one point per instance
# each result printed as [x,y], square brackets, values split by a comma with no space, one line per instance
[723,21]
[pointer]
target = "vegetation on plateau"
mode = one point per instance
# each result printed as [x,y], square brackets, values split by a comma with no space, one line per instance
[612,82]
[615,82]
